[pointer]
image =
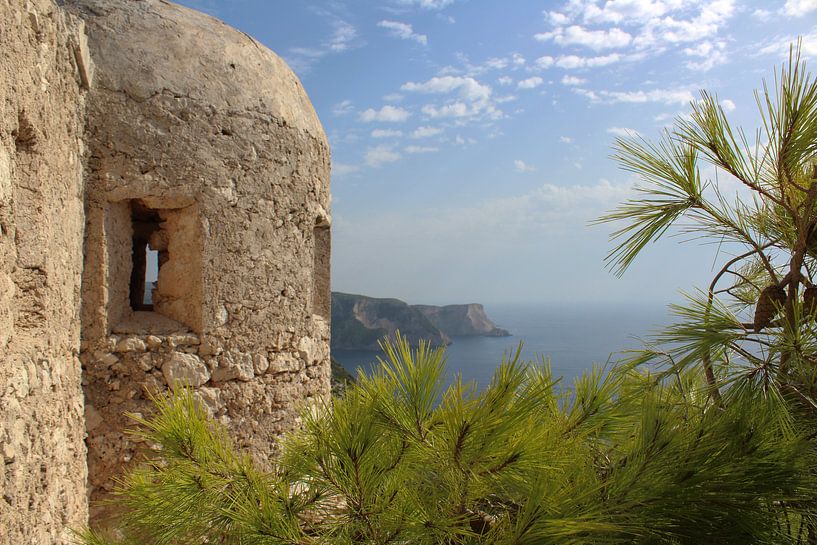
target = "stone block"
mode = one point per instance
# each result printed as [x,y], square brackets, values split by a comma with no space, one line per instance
[185,370]
[234,366]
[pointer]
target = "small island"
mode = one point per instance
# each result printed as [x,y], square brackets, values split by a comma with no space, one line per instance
[359,322]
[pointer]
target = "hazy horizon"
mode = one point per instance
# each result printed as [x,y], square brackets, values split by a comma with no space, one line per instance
[470,139]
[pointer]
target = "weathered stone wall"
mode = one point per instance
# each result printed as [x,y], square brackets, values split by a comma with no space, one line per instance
[212,132]
[42,455]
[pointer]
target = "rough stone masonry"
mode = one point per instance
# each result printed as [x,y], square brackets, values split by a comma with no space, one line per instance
[136,125]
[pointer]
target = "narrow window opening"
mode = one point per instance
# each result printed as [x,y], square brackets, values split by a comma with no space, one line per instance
[151,274]
[146,224]
[321,298]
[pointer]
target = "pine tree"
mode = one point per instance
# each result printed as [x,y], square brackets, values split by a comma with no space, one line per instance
[618,458]
[751,323]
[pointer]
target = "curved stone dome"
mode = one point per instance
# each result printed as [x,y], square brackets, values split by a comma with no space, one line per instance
[144,47]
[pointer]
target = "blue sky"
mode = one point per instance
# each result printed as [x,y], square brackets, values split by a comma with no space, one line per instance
[471,138]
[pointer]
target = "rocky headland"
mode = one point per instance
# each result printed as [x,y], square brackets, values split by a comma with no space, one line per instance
[359,322]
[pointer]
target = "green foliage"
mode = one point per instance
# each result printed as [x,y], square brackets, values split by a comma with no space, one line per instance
[617,458]
[767,234]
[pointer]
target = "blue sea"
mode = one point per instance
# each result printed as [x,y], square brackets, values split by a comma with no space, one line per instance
[572,337]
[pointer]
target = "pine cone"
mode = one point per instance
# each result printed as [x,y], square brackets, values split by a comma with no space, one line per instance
[810,301]
[768,303]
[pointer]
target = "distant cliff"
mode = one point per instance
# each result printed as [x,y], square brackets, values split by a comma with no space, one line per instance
[462,320]
[359,322]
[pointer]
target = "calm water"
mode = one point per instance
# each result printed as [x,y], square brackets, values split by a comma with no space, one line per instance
[573,338]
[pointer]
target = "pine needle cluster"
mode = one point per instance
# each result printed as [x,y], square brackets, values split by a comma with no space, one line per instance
[619,457]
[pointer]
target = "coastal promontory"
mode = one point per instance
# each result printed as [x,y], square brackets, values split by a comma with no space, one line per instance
[359,322]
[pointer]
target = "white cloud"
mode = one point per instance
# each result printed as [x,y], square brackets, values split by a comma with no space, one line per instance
[393,97]
[520,166]
[664,96]
[518,59]
[467,87]
[389,114]
[798,8]
[505,80]
[573,80]
[404,31]
[427,4]
[474,99]
[677,29]
[460,141]
[342,36]
[622,131]
[544,62]
[530,83]
[624,11]
[420,149]
[762,14]
[779,46]
[613,38]
[558,19]
[569,62]
[425,132]
[386,133]
[711,54]
[495,63]
[728,105]
[342,108]
[381,155]
[341,169]
[565,140]
[644,26]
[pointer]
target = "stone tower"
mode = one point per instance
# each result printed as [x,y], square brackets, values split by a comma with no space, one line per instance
[206,169]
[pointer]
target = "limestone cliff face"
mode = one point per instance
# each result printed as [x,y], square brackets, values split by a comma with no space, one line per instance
[462,320]
[359,322]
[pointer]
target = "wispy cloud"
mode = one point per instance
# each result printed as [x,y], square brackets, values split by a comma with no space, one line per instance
[798,8]
[574,61]
[639,27]
[474,99]
[342,108]
[387,114]
[420,149]
[622,131]
[709,55]
[520,166]
[565,140]
[573,80]
[779,45]
[544,62]
[427,4]
[664,96]
[386,133]
[425,132]
[343,37]
[381,155]
[613,38]
[530,83]
[404,31]
[468,88]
